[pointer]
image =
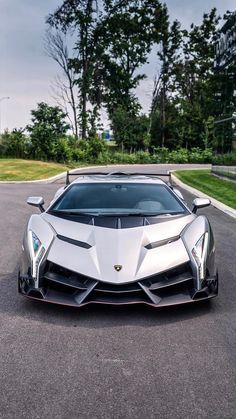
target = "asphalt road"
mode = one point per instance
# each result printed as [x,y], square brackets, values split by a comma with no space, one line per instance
[104,362]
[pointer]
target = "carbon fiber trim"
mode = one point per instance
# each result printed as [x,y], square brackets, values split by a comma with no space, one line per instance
[116,222]
[64,287]
[161,243]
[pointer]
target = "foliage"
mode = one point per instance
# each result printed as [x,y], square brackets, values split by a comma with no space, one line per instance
[159,155]
[64,89]
[48,126]
[112,41]
[228,159]
[130,130]
[170,38]
[189,95]
[62,151]
[128,34]
[193,76]
[92,148]
[82,18]
[14,144]
[95,150]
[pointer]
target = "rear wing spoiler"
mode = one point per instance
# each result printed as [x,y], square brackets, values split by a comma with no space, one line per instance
[151,175]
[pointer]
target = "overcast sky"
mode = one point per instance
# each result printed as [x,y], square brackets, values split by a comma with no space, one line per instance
[26,72]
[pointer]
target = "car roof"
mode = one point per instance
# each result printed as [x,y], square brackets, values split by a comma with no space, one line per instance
[84,178]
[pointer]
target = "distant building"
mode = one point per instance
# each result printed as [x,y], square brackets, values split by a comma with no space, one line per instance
[226,45]
[225,65]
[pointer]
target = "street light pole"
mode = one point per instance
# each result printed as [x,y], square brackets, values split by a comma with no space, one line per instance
[1,99]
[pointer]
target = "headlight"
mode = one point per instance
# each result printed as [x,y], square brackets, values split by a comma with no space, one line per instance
[37,252]
[199,253]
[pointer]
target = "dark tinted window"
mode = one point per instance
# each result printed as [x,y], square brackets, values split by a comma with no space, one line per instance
[119,198]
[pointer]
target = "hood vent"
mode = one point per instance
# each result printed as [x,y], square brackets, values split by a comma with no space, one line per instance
[161,243]
[115,222]
[74,242]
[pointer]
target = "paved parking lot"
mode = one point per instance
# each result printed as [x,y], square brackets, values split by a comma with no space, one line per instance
[104,362]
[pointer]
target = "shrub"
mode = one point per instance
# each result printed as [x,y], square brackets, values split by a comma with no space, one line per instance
[228,159]
[92,148]
[162,154]
[62,151]
[78,155]
[14,144]
[143,157]
[178,156]
[196,155]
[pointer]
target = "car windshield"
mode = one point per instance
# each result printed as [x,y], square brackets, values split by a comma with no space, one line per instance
[118,199]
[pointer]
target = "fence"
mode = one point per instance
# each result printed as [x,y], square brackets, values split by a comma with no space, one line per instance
[225,171]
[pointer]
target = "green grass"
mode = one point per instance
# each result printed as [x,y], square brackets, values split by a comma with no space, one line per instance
[204,181]
[17,169]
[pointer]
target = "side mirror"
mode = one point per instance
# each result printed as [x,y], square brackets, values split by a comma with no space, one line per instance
[200,203]
[36,201]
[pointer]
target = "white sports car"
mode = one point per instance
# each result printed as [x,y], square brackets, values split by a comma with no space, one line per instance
[118,239]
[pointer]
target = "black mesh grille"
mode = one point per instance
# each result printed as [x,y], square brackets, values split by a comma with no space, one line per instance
[117,289]
[58,274]
[81,289]
[174,276]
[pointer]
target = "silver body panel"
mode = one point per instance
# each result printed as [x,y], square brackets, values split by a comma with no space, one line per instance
[110,247]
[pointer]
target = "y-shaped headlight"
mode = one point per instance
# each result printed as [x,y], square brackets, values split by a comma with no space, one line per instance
[37,252]
[199,253]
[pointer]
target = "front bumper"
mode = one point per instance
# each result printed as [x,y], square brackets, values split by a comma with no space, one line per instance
[60,286]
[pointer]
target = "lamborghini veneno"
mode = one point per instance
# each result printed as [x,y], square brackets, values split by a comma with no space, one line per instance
[118,239]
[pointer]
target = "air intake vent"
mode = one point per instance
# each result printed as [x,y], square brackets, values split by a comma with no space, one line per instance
[74,242]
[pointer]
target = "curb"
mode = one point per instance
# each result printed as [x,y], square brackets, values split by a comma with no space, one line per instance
[217,204]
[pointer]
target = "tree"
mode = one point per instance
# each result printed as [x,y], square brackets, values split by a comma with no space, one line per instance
[193,78]
[185,97]
[223,103]
[170,38]
[131,130]
[126,32]
[14,143]
[48,126]
[128,37]
[79,16]
[111,44]
[65,92]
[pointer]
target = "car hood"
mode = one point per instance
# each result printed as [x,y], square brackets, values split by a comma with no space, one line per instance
[97,251]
